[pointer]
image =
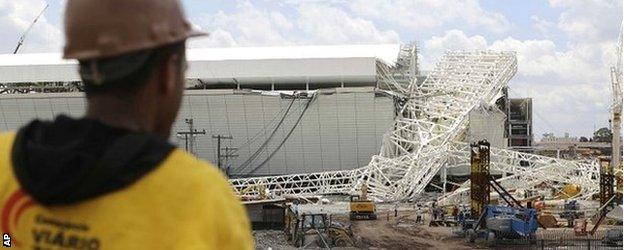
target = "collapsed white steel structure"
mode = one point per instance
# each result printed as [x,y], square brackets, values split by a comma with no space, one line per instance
[426,136]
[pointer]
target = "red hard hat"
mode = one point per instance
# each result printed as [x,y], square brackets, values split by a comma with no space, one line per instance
[105,28]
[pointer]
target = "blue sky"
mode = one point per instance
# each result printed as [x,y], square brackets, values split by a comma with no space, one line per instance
[565,47]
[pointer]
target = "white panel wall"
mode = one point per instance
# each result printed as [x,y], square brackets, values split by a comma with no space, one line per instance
[17,110]
[339,130]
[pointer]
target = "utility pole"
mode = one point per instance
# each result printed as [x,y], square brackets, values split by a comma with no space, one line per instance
[189,136]
[219,138]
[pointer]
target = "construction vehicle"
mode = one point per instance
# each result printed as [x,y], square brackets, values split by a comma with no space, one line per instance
[254,192]
[305,230]
[493,222]
[503,222]
[360,207]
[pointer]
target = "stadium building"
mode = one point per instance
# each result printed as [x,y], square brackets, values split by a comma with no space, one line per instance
[256,111]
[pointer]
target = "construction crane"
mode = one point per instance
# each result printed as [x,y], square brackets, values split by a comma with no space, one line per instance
[616,143]
[21,40]
[610,170]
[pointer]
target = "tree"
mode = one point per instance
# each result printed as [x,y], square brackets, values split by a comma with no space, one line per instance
[603,135]
[548,135]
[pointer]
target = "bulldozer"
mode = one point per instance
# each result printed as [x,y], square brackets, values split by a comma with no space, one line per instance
[360,207]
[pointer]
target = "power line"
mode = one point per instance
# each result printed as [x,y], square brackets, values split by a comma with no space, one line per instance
[266,142]
[286,138]
[264,129]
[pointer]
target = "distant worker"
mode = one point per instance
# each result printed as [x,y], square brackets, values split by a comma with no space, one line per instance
[111,179]
[396,209]
[460,216]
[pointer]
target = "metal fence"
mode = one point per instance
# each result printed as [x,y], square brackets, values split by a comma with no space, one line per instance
[556,238]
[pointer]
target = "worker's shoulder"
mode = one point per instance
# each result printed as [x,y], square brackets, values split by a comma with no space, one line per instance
[186,162]
[182,166]
[6,141]
[7,137]
[6,145]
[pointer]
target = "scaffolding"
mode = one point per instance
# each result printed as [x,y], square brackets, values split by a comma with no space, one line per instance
[479,178]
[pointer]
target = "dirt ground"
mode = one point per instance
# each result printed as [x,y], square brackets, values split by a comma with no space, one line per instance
[403,232]
[387,232]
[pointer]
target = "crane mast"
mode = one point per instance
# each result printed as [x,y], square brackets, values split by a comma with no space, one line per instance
[617,116]
[21,40]
[616,142]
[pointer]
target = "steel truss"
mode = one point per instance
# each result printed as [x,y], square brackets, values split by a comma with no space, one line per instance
[523,170]
[431,118]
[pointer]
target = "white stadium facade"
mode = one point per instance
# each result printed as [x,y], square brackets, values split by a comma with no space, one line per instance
[286,109]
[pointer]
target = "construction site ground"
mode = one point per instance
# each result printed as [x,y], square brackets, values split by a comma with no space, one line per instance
[405,232]
[387,232]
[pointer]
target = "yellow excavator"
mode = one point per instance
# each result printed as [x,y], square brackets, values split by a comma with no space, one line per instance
[253,192]
[360,207]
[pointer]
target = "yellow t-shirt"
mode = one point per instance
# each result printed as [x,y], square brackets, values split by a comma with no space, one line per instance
[182,204]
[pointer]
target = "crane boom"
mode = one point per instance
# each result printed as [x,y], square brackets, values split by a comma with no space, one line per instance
[21,40]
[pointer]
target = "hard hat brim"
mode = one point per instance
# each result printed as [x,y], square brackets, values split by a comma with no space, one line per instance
[83,55]
[197,33]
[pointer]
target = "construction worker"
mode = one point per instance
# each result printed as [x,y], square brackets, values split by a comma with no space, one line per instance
[396,209]
[111,179]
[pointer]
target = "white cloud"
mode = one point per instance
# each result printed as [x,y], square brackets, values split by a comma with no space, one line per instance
[16,16]
[452,40]
[570,92]
[541,25]
[281,21]
[427,14]
[247,26]
[331,25]
[309,23]
[217,38]
[589,20]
